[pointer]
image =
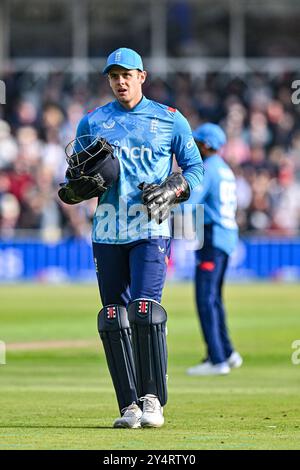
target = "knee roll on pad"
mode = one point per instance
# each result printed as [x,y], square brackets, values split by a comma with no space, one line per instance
[147,319]
[115,333]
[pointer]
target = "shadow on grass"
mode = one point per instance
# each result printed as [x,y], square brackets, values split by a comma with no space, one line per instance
[23,426]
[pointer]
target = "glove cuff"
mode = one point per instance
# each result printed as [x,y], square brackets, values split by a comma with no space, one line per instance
[177,183]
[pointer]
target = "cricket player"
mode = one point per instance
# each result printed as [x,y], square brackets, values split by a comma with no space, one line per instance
[132,246]
[218,194]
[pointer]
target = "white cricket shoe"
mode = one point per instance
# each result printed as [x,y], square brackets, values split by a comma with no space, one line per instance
[131,417]
[235,360]
[207,368]
[152,416]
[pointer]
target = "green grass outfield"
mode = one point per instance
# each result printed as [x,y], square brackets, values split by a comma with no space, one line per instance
[56,393]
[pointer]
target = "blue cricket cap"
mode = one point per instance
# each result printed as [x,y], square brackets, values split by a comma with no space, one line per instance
[127,58]
[210,134]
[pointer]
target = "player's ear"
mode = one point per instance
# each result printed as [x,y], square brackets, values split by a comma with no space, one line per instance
[109,79]
[143,76]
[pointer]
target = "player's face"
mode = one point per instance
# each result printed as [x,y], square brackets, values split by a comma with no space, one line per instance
[203,149]
[126,85]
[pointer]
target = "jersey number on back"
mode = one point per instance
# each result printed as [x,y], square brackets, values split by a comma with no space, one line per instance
[228,203]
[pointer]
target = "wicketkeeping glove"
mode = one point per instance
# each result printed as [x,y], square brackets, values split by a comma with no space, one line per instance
[81,189]
[159,199]
[91,170]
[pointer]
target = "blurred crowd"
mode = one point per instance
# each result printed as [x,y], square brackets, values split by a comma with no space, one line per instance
[41,115]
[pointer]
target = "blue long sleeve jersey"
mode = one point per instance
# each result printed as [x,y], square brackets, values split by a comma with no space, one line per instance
[145,139]
[218,194]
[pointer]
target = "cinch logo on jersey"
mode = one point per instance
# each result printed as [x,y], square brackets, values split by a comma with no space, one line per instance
[133,152]
[111,313]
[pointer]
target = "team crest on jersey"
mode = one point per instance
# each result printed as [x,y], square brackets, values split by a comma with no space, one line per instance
[109,124]
[154,125]
[111,312]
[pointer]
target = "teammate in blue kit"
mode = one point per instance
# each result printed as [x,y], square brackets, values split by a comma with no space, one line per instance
[131,236]
[218,194]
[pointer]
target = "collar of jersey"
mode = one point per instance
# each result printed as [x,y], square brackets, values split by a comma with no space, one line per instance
[141,105]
